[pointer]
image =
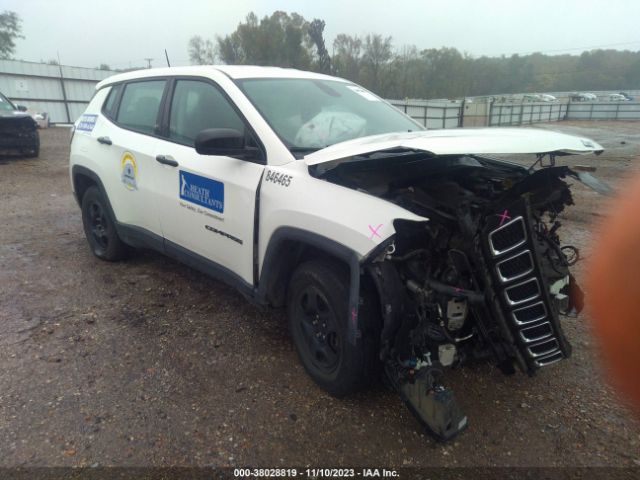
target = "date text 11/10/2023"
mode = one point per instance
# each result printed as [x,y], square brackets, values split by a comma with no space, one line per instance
[315,473]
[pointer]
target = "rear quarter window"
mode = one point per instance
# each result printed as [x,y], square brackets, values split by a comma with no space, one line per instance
[139,106]
[110,106]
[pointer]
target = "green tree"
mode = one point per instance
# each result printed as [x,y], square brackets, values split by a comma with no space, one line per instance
[323,60]
[279,40]
[407,75]
[201,52]
[288,40]
[347,56]
[10,29]
[376,56]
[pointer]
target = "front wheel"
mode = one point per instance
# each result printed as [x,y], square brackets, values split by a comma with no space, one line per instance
[99,227]
[317,306]
[34,152]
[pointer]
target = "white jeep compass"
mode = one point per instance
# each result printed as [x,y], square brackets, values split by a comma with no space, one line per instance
[397,252]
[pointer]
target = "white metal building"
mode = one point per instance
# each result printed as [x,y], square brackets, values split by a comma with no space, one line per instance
[61,91]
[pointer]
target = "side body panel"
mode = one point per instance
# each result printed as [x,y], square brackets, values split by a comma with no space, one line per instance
[131,199]
[291,197]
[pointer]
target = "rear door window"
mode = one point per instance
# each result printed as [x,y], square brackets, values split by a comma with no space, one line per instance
[140,105]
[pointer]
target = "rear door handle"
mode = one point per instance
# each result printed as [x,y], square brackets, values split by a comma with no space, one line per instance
[166,160]
[105,140]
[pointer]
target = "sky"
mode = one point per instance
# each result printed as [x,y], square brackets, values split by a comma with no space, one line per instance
[122,33]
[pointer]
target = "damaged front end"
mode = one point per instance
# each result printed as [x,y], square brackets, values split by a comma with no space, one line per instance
[486,277]
[18,134]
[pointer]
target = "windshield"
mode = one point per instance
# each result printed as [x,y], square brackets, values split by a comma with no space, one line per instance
[310,114]
[5,104]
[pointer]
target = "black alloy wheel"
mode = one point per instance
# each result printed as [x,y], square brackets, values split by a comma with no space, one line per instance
[99,227]
[318,324]
[318,311]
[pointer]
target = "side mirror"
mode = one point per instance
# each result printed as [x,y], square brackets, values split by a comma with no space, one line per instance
[227,142]
[219,141]
[22,108]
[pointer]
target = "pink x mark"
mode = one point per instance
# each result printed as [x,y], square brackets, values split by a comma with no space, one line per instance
[504,216]
[374,232]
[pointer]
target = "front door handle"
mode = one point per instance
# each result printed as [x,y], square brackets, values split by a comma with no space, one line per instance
[166,160]
[104,140]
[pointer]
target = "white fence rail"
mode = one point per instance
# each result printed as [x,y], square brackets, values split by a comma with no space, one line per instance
[436,115]
[604,111]
[432,113]
[526,113]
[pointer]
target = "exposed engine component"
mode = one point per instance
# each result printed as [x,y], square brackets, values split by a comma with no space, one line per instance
[456,314]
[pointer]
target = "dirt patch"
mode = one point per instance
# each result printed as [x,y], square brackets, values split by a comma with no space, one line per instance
[146,362]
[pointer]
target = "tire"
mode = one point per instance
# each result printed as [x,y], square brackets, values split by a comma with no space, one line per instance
[99,227]
[317,307]
[34,152]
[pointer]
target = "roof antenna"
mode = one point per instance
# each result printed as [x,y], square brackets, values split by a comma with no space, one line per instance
[167,57]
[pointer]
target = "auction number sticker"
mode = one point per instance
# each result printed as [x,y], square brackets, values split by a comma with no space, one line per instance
[363,93]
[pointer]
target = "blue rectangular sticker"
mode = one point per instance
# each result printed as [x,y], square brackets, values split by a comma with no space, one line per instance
[202,191]
[87,122]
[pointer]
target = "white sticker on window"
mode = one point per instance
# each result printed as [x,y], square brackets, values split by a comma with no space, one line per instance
[363,93]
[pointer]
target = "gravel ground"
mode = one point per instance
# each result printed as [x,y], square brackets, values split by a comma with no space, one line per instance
[147,362]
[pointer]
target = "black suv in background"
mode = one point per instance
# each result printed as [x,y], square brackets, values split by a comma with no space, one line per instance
[18,131]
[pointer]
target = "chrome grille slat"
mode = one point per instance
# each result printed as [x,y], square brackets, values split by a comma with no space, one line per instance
[509,262]
[509,292]
[553,358]
[535,333]
[547,347]
[514,227]
[518,313]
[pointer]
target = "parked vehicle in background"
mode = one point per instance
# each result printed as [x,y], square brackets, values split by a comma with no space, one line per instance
[583,97]
[616,97]
[531,97]
[41,118]
[395,250]
[18,131]
[545,97]
[627,96]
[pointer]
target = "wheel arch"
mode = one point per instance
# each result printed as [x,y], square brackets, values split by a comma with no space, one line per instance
[83,178]
[290,246]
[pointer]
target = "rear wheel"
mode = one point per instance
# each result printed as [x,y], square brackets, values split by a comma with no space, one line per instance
[317,305]
[99,227]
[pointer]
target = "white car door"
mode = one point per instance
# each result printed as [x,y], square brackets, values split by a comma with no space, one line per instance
[206,204]
[126,143]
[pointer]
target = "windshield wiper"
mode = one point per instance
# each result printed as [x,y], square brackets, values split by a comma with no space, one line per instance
[304,149]
[300,152]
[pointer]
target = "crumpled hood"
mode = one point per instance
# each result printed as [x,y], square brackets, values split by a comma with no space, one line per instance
[468,141]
